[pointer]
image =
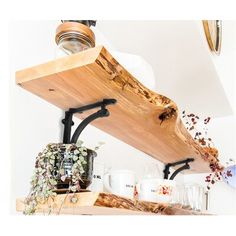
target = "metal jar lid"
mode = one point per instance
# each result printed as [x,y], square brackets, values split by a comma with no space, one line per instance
[76,28]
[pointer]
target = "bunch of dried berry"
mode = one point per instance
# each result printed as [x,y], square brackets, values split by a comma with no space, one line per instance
[191,120]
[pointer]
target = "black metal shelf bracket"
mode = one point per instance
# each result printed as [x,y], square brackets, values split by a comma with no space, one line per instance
[68,122]
[186,166]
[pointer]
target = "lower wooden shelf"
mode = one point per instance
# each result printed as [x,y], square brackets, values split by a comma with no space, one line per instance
[91,203]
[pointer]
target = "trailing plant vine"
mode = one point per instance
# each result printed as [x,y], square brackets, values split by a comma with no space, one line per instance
[50,168]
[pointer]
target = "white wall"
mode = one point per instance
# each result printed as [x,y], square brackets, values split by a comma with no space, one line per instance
[180,58]
[35,123]
[223,129]
[225,64]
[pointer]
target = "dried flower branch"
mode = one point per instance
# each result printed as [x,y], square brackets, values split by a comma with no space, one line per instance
[191,121]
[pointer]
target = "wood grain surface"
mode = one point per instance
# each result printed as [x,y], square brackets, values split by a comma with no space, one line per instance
[91,203]
[93,75]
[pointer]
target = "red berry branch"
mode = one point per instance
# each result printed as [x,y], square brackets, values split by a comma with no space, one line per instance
[191,121]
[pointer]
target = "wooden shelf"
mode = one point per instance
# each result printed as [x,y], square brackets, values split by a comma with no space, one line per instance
[90,203]
[93,75]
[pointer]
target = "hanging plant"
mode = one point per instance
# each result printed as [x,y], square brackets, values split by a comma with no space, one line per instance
[59,166]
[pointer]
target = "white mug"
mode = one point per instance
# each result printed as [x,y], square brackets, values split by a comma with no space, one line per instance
[155,190]
[120,182]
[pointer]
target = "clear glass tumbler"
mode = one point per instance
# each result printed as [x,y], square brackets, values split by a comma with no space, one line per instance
[189,196]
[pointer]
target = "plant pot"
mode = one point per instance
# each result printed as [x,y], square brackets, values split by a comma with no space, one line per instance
[86,177]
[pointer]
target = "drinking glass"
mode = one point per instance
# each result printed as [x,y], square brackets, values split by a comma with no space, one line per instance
[178,197]
[194,196]
[152,171]
[189,196]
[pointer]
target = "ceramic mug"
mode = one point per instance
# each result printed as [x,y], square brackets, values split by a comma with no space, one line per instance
[155,190]
[165,191]
[120,182]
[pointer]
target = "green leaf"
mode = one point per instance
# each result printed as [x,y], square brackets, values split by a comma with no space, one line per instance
[53,182]
[84,153]
[33,178]
[41,162]
[79,143]
[61,171]
[73,188]
[75,165]
[101,143]
[76,151]
[48,154]
[79,163]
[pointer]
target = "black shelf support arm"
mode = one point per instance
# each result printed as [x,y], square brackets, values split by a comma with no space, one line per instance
[186,166]
[68,122]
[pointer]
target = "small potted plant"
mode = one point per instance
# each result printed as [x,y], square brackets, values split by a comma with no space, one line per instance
[65,167]
[60,168]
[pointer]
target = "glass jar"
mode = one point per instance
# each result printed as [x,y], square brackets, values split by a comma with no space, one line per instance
[73,37]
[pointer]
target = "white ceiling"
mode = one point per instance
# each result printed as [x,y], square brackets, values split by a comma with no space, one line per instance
[180,58]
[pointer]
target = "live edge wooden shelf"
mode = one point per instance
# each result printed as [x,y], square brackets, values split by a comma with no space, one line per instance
[91,203]
[93,75]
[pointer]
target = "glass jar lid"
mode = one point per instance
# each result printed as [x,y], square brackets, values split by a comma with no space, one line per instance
[78,30]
